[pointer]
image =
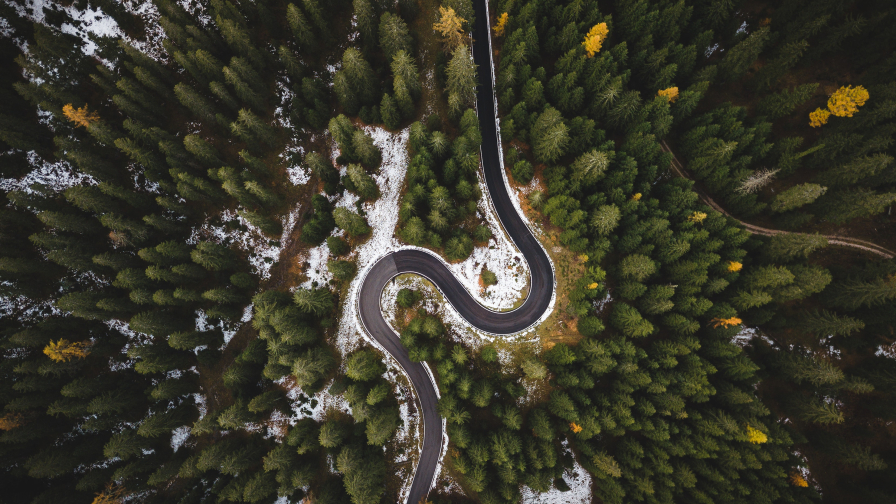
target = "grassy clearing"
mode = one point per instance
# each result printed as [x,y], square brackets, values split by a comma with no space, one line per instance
[560,326]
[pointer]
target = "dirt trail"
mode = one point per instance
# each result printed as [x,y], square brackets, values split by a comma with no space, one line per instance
[843,241]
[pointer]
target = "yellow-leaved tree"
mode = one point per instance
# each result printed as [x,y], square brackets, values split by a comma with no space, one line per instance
[80,116]
[697,217]
[500,25]
[797,479]
[671,93]
[843,103]
[819,117]
[846,101]
[756,436]
[734,266]
[451,27]
[64,350]
[595,38]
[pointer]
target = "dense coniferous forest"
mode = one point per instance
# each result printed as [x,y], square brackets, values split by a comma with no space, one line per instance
[152,355]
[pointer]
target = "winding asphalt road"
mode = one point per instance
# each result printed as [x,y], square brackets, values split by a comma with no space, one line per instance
[434,269]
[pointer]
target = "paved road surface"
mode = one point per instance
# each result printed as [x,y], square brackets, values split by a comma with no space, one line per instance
[431,267]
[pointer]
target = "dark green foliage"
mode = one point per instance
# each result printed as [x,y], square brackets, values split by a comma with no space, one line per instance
[321,222]
[342,270]
[654,406]
[522,172]
[337,246]
[408,297]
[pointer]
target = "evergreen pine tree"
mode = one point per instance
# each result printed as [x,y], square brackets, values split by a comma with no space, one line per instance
[739,58]
[784,247]
[797,196]
[301,28]
[461,79]
[394,35]
[365,150]
[352,223]
[824,323]
[550,136]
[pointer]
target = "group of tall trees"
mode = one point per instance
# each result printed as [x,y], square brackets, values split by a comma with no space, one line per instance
[440,206]
[116,379]
[798,409]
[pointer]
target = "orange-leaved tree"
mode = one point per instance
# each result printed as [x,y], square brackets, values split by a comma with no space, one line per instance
[671,93]
[10,421]
[64,350]
[500,25]
[595,38]
[80,116]
[111,495]
[451,26]
[726,322]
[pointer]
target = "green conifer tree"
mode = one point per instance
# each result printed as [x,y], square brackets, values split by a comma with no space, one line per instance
[550,136]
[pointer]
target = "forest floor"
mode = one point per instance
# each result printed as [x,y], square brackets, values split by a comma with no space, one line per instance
[833,239]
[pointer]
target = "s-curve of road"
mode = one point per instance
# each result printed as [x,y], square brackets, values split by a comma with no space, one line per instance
[433,268]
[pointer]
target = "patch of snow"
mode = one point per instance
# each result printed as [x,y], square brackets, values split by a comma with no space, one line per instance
[748,334]
[315,406]
[298,174]
[57,176]
[579,482]
[90,23]
[198,10]
[229,330]
[25,309]
[263,252]
[382,216]
[501,258]
[888,351]
[179,437]
[201,405]
[281,114]
[316,270]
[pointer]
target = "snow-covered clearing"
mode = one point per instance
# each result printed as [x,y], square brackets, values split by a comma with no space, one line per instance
[233,229]
[227,329]
[500,257]
[579,482]
[90,23]
[316,406]
[57,176]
